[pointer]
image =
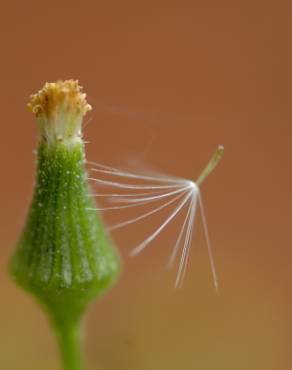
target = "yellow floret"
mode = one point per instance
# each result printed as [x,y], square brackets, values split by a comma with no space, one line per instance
[61,93]
[59,108]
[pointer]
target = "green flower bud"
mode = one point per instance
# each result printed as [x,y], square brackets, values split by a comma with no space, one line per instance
[64,256]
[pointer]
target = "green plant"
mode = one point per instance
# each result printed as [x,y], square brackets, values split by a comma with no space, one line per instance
[64,257]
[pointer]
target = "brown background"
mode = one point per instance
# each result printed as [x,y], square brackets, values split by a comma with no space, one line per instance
[168,82]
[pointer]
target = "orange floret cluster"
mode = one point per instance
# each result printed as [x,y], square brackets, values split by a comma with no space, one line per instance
[59,108]
[66,94]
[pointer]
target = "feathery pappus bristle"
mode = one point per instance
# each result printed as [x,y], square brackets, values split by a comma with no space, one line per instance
[159,192]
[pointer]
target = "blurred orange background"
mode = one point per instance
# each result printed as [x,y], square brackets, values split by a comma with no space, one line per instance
[168,82]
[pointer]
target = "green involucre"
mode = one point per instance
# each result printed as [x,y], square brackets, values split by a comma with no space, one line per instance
[64,257]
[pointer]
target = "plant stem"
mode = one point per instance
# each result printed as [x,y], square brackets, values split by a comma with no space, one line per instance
[70,346]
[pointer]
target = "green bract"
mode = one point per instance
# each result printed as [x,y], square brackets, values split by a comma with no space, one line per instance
[64,256]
